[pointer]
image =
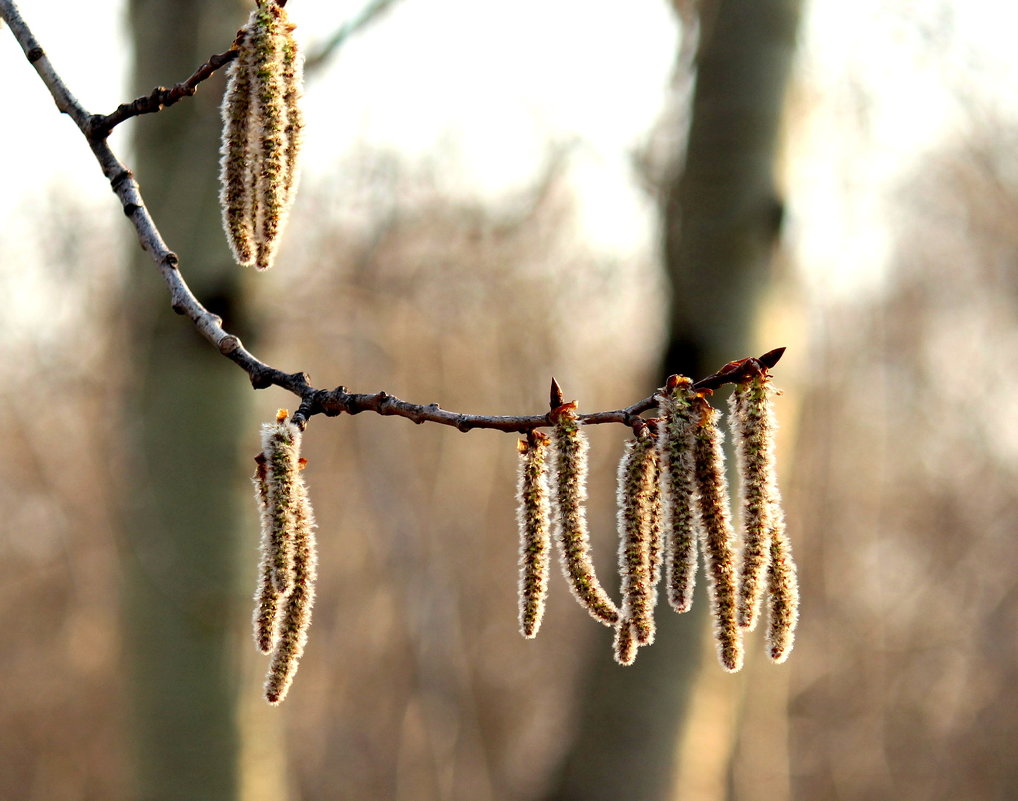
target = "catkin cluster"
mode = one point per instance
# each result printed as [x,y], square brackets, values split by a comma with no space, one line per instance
[289,561]
[262,128]
[673,504]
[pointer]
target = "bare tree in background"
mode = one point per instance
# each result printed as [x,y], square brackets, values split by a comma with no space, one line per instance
[182,508]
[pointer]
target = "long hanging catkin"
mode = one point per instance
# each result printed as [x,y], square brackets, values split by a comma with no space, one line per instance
[717,535]
[288,567]
[751,419]
[295,615]
[676,431]
[266,596]
[570,517]
[236,179]
[262,131]
[638,532]
[281,451]
[766,551]
[533,515]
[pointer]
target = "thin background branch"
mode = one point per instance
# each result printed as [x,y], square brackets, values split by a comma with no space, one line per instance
[368,15]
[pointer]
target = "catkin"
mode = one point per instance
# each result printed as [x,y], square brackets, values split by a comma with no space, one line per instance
[295,616]
[717,535]
[293,83]
[625,645]
[751,417]
[655,515]
[269,118]
[783,592]
[570,518]
[281,449]
[533,515]
[678,488]
[236,178]
[636,494]
[262,132]
[266,596]
[288,568]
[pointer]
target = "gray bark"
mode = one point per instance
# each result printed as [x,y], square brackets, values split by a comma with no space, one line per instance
[182,416]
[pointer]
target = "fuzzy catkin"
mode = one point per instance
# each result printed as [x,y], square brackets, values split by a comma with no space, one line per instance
[293,83]
[281,449]
[570,518]
[295,616]
[783,591]
[636,494]
[266,596]
[262,133]
[269,129]
[717,536]
[751,417]
[655,517]
[678,488]
[235,178]
[533,514]
[625,645]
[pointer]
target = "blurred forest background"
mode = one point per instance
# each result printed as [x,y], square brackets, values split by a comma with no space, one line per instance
[878,183]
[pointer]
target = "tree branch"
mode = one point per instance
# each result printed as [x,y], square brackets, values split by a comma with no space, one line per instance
[365,17]
[160,97]
[313,401]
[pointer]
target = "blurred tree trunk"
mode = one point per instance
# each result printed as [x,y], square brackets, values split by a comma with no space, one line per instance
[721,221]
[182,418]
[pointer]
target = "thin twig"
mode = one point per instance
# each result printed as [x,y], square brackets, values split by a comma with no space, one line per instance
[183,301]
[160,97]
[364,18]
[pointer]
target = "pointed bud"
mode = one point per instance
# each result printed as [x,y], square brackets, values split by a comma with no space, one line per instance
[555,397]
